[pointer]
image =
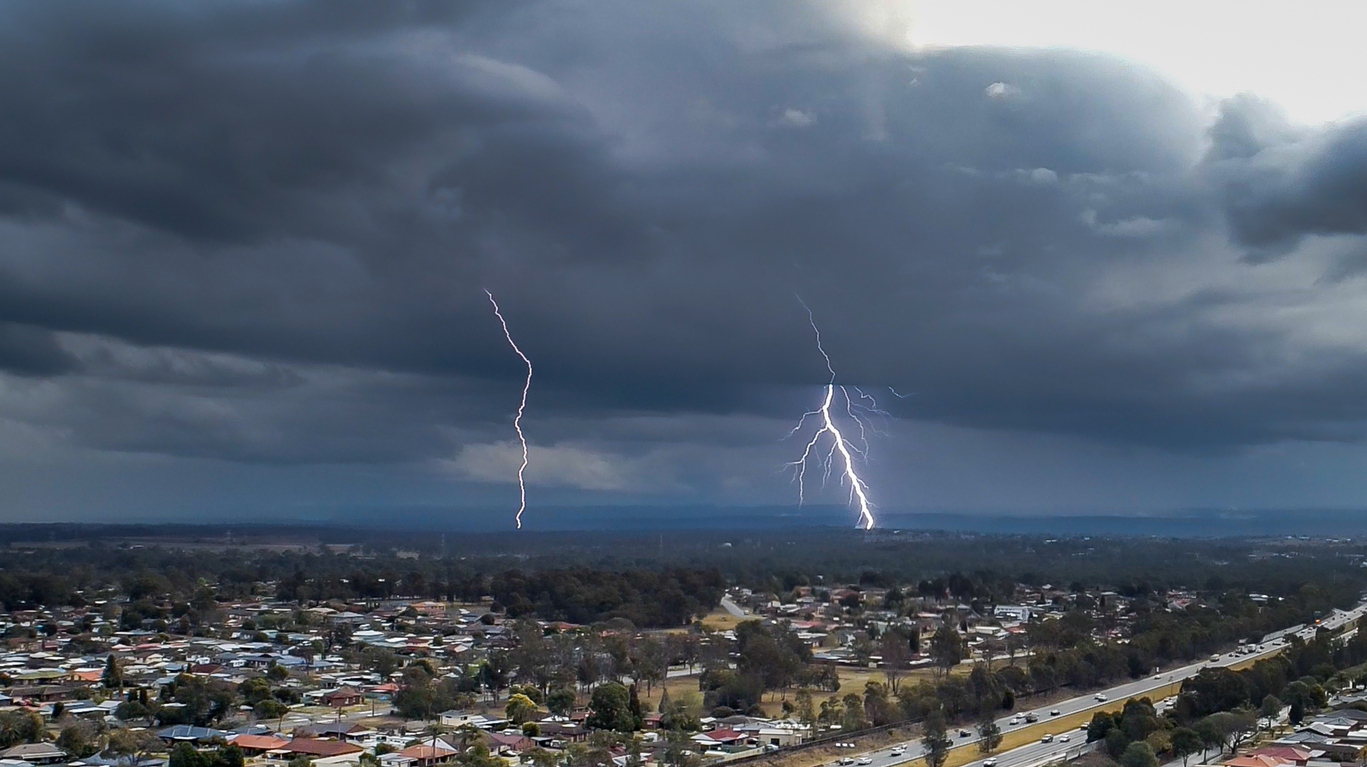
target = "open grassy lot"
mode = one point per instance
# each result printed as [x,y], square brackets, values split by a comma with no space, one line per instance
[721,620]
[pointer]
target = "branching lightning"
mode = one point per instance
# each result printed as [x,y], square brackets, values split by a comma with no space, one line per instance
[858,411]
[517,421]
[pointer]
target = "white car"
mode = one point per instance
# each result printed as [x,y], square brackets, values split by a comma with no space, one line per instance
[990,761]
[864,760]
[1055,712]
[1063,738]
[898,751]
[1101,696]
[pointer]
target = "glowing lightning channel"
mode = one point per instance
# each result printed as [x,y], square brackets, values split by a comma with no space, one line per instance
[517,421]
[840,445]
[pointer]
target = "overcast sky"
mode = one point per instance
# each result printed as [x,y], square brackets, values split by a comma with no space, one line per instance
[1113,260]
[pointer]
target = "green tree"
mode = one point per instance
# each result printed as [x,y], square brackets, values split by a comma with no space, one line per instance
[610,708]
[1232,727]
[133,745]
[1116,743]
[186,755]
[560,701]
[1185,742]
[803,708]
[78,738]
[131,709]
[989,733]
[946,648]
[678,750]
[1271,709]
[113,675]
[540,757]
[254,690]
[1138,754]
[520,708]
[935,740]
[1100,726]
[19,726]
[270,709]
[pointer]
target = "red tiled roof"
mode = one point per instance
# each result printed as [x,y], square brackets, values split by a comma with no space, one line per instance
[1283,753]
[263,742]
[1252,761]
[426,751]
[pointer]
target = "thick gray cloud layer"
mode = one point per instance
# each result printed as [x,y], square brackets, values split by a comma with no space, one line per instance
[259,233]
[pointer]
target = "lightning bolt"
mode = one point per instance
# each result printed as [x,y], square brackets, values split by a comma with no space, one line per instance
[856,411]
[517,421]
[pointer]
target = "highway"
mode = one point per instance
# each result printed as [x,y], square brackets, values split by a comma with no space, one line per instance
[1070,743]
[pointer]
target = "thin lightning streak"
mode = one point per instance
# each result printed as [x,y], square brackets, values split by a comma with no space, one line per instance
[517,421]
[858,489]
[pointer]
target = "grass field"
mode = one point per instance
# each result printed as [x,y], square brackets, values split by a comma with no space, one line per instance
[721,620]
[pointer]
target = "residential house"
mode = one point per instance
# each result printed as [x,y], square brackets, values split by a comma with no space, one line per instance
[35,753]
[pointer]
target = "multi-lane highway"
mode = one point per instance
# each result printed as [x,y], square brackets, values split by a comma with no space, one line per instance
[1062,743]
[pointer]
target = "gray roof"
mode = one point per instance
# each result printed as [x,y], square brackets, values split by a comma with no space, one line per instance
[33,751]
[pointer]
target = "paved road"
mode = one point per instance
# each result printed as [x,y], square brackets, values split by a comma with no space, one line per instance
[1039,752]
[732,607]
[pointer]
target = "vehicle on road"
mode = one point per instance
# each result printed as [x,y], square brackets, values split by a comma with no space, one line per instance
[846,760]
[1063,738]
[1048,738]
[1055,712]
[964,733]
[990,761]
[1032,717]
[1216,656]
[864,760]
[1101,696]
[1016,720]
[898,751]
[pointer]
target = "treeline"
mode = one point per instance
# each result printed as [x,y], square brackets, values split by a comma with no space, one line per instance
[193,579]
[582,595]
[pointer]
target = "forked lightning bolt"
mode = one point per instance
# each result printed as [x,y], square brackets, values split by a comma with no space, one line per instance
[858,488]
[517,421]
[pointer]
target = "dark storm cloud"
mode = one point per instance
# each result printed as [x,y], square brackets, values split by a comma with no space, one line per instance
[27,350]
[316,193]
[1281,183]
